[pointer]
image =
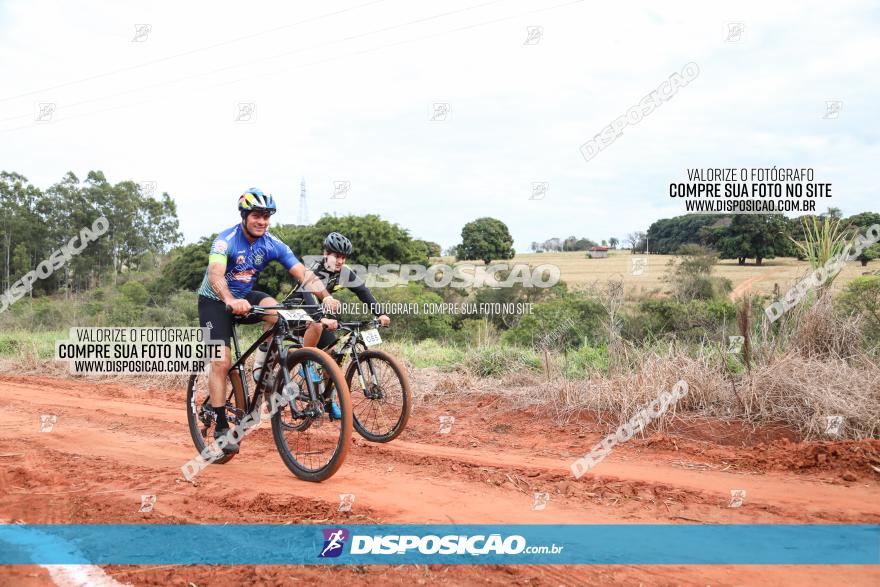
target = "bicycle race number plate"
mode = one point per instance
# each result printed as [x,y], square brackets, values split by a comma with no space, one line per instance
[298,314]
[371,337]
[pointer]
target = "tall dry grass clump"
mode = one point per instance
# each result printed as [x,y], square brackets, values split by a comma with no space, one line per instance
[820,332]
[819,371]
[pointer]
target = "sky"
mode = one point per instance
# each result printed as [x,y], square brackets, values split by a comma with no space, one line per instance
[436,114]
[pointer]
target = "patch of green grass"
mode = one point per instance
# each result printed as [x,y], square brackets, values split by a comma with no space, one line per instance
[13,343]
[580,362]
[428,353]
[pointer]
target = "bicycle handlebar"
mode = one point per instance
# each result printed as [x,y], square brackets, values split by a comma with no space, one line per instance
[263,310]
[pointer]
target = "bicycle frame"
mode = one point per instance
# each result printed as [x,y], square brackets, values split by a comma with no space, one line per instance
[279,332]
[352,343]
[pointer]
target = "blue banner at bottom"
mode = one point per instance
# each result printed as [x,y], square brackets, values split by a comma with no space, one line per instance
[141,544]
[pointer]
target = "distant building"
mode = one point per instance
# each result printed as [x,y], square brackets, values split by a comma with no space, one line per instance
[598,252]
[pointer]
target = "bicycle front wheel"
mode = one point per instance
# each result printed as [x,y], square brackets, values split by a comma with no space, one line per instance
[311,435]
[380,396]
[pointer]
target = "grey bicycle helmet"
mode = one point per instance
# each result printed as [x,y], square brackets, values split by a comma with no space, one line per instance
[336,243]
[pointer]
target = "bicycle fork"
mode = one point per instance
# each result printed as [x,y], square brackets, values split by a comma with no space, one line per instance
[372,391]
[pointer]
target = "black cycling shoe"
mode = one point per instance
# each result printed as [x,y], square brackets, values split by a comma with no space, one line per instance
[231,446]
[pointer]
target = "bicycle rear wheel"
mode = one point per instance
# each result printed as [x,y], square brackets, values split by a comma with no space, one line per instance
[380,396]
[312,442]
[202,420]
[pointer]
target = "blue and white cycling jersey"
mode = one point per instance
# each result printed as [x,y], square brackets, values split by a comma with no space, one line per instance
[244,260]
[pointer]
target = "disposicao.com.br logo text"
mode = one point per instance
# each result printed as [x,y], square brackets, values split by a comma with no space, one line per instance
[431,544]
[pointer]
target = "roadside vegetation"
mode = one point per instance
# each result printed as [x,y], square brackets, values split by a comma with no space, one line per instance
[598,344]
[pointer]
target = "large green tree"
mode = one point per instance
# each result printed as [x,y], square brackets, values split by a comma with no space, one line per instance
[375,241]
[485,239]
[667,235]
[752,236]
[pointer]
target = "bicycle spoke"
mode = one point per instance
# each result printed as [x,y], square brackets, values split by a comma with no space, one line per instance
[378,416]
[313,439]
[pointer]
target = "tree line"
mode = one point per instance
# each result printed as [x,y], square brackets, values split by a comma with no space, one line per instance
[36,222]
[741,236]
[572,243]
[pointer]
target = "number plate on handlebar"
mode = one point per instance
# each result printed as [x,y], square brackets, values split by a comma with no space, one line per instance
[371,337]
[297,314]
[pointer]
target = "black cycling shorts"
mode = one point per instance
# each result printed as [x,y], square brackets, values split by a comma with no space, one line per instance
[214,316]
[328,339]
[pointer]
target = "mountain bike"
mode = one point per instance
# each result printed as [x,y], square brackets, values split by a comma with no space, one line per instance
[303,390]
[378,384]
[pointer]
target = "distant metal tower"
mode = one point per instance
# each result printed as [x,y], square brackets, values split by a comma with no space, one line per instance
[303,204]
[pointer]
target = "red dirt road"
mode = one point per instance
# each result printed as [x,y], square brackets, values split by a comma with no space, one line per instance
[112,443]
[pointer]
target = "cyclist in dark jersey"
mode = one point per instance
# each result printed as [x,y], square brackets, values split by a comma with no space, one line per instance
[333,273]
[237,256]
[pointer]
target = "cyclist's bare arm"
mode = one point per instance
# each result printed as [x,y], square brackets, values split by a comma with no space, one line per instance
[217,280]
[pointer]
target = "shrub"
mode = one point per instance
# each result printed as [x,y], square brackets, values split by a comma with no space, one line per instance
[861,296]
[495,360]
[135,292]
[124,312]
[691,320]
[562,323]
[580,362]
[691,277]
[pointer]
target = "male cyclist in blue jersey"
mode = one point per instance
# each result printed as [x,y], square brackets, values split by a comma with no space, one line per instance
[237,256]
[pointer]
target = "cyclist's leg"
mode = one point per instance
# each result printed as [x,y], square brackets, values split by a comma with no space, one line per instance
[214,317]
[313,334]
[327,340]
[259,298]
[314,330]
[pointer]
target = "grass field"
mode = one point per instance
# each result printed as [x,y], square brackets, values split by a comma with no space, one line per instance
[578,270]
